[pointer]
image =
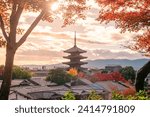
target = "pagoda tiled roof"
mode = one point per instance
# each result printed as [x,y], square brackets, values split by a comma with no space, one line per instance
[74,50]
[75,63]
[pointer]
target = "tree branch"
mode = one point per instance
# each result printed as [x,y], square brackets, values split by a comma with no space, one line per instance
[14,6]
[24,37]
[19,12]
[3,28]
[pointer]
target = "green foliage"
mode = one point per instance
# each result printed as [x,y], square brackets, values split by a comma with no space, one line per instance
[104,71]
[19,73]
[58,76]
[69,96]
[94,96]
[117,96]
[128,73]
[141,95]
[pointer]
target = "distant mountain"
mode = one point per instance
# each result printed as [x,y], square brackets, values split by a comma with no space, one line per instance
[101,63]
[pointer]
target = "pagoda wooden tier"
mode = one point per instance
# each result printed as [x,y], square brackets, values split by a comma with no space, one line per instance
[75,56]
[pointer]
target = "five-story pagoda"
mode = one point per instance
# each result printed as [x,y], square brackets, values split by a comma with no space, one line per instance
[75,56]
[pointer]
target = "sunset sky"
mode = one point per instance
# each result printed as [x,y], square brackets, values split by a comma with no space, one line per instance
[48,41]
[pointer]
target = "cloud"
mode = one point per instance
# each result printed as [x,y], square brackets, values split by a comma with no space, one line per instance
[38,57]
[108,54]
[54,35]
[116,37]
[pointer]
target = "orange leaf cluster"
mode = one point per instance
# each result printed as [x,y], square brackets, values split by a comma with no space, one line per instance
[73,72]
[142,44]
[114,76]
[129,91]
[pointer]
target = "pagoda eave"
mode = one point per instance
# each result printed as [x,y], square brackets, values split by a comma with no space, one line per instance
[78,57]
[75,49]
[75,63]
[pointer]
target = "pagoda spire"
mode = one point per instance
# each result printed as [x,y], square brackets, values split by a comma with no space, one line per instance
[75,39]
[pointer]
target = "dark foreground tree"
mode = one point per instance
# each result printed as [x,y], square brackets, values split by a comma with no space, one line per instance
[10,14]
[133,16]
[141,75]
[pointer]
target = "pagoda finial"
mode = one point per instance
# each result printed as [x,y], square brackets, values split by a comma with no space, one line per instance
[75,39]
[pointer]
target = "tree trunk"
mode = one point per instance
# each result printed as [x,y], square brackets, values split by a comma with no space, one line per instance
[5,87]
[141,75]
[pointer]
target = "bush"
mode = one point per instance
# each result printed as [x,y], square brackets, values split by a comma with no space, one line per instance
[141,95]
[115,76]
[58,76]
[94,96]
[116,95]
[69,96]
[19,73]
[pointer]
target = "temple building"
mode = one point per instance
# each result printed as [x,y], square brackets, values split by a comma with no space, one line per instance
[75,57]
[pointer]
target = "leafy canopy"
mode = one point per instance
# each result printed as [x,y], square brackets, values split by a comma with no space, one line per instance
[129,15]
[11,11]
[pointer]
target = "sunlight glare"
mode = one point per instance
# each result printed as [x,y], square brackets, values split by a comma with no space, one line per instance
[54,7]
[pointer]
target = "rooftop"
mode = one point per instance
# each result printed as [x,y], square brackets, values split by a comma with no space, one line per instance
[75,49]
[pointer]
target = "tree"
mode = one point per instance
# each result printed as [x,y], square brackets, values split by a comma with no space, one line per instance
[128,73]
[141,75]
[59,76]
[19,73]
[10,13]
[133,16]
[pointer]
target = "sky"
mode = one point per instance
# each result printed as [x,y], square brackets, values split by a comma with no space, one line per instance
[46,43]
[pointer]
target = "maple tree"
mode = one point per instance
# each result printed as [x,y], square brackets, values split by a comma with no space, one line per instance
[129,15]
[114,76]
[133,16]
[10,14]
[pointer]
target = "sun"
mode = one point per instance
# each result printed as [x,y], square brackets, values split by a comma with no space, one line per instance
[54,6]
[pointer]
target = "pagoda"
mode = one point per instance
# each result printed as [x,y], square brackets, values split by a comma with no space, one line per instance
[75,56]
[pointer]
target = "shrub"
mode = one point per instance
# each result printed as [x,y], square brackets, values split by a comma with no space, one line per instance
[116,76]
[59,76]
[19,73]
[69,96]
[141,95]
[116,95]
[130,91]
[94,96]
